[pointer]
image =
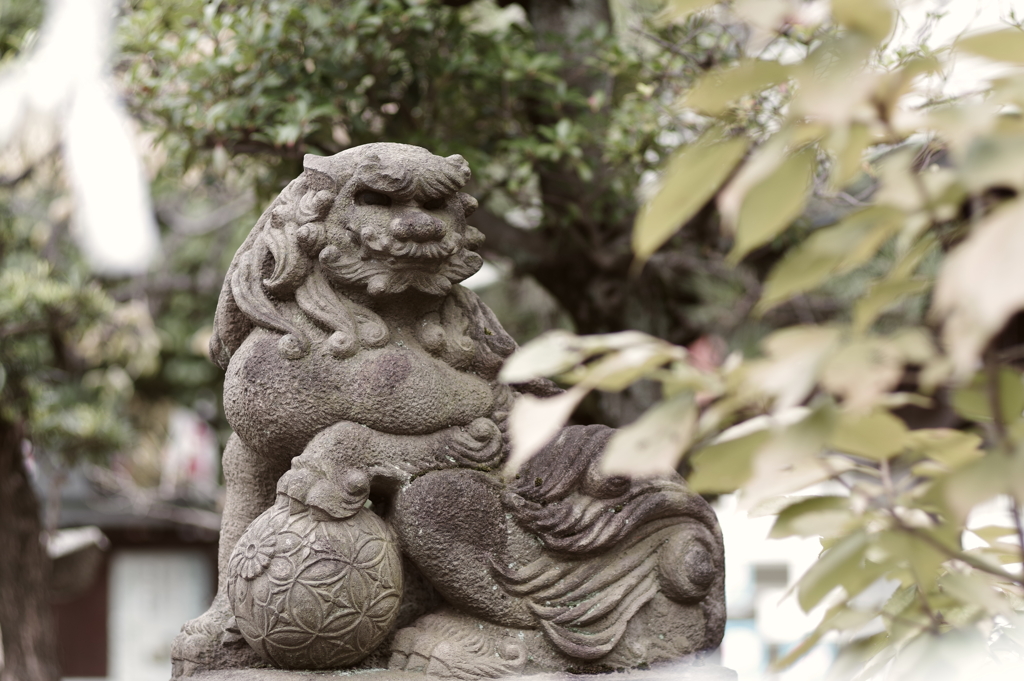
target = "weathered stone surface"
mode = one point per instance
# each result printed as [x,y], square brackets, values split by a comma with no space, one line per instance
[367,520]
[680,671]
[313,590]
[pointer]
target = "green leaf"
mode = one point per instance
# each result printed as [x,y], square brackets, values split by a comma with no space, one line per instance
[979,286]
[556,352]
[897,83]
[771,205]
[818,516]
[535,421]
[653,444]
[883,295]
[847,145]
[900,600]
[874,18]
[835,566]
[876,436]
[795,458]
[993,533]
[861,658]
[922,558]
[795,356]
[761,163]
[830,252]
[841,618]
[714,91]
[973,401]
[797,652]
[977,482]
[1006,44]
[866,369]
[993,161]
[899,181]
[620,369]
[725,466]
[945,448]
[976,589]
[692,177]
[550,354]
[563,128]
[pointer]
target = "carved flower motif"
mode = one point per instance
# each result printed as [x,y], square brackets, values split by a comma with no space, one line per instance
[255,555]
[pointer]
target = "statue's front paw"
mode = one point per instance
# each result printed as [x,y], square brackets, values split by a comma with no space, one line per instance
[207,643]
[339,492]
[476,444]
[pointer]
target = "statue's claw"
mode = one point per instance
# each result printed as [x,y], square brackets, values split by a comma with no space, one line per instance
[208,643]
[476,444]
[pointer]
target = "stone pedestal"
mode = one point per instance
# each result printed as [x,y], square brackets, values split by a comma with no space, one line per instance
[680,671]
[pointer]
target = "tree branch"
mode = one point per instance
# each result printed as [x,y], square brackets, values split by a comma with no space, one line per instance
[250,147]
[955,554]
[215,219]
[1003,445]
[30,326]
[525,247]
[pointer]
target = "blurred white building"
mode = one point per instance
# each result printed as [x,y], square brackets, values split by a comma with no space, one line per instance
[765,622]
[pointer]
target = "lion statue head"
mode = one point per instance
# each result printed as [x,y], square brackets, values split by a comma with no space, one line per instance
[352,231]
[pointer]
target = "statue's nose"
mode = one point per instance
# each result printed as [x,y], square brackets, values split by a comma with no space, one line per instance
[418,227]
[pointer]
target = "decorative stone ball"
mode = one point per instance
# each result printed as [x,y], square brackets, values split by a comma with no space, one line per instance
[310,591]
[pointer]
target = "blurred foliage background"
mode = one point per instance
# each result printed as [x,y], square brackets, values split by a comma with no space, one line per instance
[818,243]
[886,418]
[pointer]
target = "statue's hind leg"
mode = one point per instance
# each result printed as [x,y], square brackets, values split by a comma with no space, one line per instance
[452,525]
[203,643]
[655,595]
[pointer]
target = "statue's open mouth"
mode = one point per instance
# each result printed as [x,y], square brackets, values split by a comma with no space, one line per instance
[397,266]
[418,264]
[412,251]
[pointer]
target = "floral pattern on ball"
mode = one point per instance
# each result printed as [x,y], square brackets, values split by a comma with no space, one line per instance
[310,591]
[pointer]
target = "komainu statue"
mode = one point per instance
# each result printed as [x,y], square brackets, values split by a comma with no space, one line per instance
[368,521]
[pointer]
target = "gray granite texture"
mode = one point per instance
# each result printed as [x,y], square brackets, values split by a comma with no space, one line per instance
[368,521]
[679,671]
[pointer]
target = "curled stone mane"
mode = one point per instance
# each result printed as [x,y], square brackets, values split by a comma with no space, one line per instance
[433,177]
[282,277]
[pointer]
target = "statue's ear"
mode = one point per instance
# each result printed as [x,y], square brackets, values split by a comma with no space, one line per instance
[370,164]
[469,204]
[321,163]
[326,172]
[460,166]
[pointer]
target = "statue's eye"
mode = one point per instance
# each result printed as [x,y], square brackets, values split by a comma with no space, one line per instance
[434,204]
[371,198]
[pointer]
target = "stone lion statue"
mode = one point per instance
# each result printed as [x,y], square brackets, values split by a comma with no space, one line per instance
[368,520]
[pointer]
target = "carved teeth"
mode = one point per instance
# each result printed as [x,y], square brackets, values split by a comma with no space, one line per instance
[377,285]
[330,254]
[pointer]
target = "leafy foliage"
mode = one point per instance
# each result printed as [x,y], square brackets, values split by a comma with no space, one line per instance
[904,401]
[68,352]
[282,79]
[20,21]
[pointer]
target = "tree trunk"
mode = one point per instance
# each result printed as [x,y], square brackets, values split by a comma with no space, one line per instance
[581,253]
[29,651]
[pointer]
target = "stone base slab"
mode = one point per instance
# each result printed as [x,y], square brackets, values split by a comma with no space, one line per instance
[699,671]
